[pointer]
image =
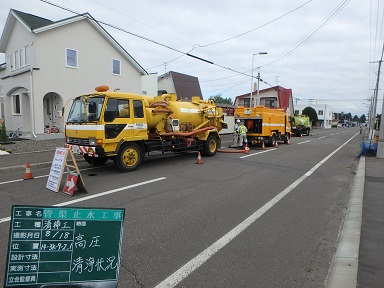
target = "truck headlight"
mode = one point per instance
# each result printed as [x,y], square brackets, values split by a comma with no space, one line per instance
[94,141]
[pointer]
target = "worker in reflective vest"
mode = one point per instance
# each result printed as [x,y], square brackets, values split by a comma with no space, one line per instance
[242,134]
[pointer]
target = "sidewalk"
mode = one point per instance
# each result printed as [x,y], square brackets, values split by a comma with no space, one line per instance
[359,259]
[371,254]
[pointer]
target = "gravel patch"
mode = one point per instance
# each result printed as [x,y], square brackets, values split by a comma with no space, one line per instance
[22,146]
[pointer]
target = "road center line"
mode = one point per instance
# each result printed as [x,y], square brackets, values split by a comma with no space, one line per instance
[303,142]
[321,137]
[192,265]
[98,195]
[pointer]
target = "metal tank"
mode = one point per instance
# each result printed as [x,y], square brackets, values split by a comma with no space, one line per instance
[166,114]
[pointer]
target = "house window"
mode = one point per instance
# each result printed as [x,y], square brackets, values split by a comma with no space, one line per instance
[17,60]
[116,67]
[16,108]
[297,112]
[247,102]
[22,57]
[26,51]
[321,112]
[269,102]
[12,61]
[71,58]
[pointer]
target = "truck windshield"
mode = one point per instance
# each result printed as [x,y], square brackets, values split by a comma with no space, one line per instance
[86,108]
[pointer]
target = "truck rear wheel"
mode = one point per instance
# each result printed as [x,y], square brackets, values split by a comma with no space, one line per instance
[210,146]
[95,161]
[129,157]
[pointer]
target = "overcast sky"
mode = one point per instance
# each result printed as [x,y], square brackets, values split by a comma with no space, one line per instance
[321,49]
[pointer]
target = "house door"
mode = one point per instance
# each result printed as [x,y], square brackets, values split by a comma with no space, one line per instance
[53,104]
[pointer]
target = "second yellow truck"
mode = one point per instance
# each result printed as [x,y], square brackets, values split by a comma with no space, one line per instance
[265,124]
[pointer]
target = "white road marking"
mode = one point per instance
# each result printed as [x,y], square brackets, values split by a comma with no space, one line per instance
[322,137]
[98,195]
[303,142]
[249,155]
[192,265]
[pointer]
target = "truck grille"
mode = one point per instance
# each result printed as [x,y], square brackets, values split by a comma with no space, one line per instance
[78,141]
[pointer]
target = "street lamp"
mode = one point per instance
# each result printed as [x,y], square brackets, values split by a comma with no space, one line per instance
[258,77]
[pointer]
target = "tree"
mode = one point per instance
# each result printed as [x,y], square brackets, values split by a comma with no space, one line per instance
[219,99]
[355,118]
[311,113]
[3,134]
[363,119]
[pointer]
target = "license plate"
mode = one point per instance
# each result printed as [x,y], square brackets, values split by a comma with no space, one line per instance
[75,149]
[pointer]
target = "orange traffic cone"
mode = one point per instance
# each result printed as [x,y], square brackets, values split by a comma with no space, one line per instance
[301,135]
[28,173]
[288,143]
[276,145]
[246,149]
[263,146]
[199,161]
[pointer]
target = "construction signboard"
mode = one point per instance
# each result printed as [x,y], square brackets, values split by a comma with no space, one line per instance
[74,178]
[61,246]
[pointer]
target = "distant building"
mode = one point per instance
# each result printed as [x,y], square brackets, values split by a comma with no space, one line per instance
[324,113]
[185,86]
[274,97]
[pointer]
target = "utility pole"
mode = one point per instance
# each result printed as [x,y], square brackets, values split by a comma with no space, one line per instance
[380,144]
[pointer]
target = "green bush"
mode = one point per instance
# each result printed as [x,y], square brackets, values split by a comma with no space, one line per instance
[3,134]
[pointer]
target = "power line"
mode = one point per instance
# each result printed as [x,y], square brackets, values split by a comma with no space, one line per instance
[242,34]
[312,34]
[147,39]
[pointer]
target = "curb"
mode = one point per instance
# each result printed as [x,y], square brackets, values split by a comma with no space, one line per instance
[19,168]
[344,268]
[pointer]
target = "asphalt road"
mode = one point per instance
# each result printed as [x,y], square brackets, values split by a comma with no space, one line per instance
[264,219]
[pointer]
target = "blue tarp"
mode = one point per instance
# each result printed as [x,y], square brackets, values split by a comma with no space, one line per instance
[368,147]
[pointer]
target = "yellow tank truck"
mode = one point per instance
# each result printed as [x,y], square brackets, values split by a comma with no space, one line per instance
[125,127]
[265,124]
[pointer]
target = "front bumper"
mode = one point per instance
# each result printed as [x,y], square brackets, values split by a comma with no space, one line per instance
[88,150]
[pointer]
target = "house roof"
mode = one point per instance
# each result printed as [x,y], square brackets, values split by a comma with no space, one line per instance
[186,86]
[284,95]
[32,21]
[38,24]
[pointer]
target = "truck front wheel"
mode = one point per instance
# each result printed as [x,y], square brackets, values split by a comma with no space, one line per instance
[210,146]
[129,157]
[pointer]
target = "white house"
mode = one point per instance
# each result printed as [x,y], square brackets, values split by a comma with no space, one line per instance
[324,113]
[48,63]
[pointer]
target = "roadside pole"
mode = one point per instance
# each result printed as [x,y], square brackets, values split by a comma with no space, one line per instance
[380,143]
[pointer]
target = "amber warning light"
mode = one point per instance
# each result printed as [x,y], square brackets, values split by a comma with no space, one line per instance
[102,88]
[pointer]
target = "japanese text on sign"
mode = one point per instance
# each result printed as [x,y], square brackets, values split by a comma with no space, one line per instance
[63,245]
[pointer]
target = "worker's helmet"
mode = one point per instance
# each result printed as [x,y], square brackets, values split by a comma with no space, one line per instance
[237,121]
